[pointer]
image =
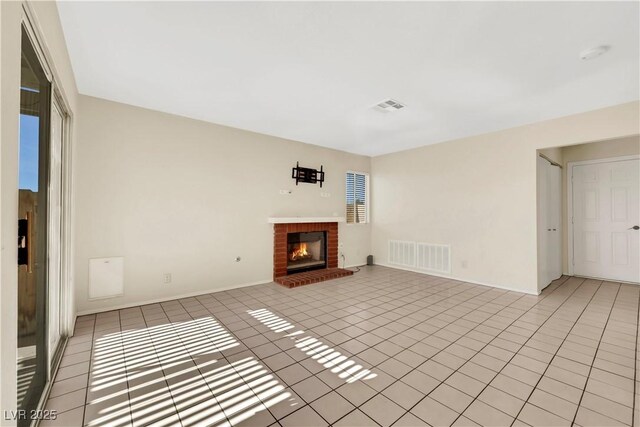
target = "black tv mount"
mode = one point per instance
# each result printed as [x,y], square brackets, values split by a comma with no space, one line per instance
[308,175]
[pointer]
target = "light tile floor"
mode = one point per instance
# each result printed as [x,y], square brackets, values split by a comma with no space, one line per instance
[382,347]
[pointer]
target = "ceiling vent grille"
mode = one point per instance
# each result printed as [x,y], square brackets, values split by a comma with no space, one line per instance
[390,105]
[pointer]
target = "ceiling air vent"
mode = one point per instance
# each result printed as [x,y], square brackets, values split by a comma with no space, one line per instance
[390,105]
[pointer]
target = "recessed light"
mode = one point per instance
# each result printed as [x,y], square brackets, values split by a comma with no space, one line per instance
[593,52]
[390,105]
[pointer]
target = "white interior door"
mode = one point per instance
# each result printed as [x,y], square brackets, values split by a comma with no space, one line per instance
[554,221]
[605,212]
[549,184]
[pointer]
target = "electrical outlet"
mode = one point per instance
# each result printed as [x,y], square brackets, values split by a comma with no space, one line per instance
[465,264]
[167,277]
[325,194]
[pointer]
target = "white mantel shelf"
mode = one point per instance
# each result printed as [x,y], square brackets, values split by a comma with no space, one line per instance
[305,219]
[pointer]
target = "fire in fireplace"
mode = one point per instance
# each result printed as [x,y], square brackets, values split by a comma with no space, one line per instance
[306,251]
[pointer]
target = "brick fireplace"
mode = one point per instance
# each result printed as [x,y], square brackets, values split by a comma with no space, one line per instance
[282,252]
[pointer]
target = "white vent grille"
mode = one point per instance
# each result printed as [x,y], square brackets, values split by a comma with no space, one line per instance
[434,257]
[390,105]
[402,253]
[422,256]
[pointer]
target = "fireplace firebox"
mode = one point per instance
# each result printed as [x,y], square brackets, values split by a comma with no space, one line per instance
[306,251]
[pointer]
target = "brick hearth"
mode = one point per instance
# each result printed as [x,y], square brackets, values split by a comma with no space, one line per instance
[314,276]
[332,271]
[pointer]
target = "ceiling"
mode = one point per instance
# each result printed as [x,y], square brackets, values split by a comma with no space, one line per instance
[313,72]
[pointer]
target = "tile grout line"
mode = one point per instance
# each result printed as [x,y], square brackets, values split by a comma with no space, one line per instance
[604,328]
[258,359]
[387,321]
[441,328]
[535,387]
[514,353]
[331,389]
[507,362]
[356,407]
[155,345]
[560,346]
[124,363]
[86,394]
[431,357]
[147,339]
[273,372]
[378,304]
[177,334]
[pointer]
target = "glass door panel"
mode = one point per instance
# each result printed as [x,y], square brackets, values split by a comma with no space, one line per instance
[35,107]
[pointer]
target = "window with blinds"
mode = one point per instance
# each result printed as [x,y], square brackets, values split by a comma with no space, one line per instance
[357,193]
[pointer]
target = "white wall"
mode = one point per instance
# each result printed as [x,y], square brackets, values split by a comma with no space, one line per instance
[180,196]
[478,194]
[46,20]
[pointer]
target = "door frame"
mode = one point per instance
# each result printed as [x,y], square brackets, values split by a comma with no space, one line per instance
[38,382]
[540,230]
[569,177]
[54,354]
[33,27]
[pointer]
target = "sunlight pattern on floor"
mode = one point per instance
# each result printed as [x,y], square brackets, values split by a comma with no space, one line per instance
[176,373]
[322,353]
[444,353]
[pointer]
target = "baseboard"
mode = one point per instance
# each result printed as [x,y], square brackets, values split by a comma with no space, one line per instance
[607,280]
[414,270]
[169,298]
[354,266]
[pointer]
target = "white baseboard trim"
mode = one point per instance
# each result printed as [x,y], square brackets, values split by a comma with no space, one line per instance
[169,298]
[414,270]
[354,266]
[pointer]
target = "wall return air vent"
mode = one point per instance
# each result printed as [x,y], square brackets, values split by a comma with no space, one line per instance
[420,256]
[390,105]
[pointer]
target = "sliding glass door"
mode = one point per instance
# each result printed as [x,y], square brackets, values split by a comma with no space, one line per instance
[54,278]
[33,229]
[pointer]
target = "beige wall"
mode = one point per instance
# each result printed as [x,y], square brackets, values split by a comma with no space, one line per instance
[601,150]
[180,196]
[591,151]
[478,194]
[46,19]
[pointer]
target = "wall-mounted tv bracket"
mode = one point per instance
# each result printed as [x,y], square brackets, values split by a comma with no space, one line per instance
[308,175]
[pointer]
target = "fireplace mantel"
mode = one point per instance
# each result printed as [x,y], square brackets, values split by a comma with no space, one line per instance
[304,219]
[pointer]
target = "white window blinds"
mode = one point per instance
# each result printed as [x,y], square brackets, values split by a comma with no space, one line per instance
[357,193]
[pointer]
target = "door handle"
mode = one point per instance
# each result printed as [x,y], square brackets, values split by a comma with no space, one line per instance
[635,227]
[23,241]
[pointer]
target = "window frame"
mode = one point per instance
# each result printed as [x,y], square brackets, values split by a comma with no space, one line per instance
[367,201]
